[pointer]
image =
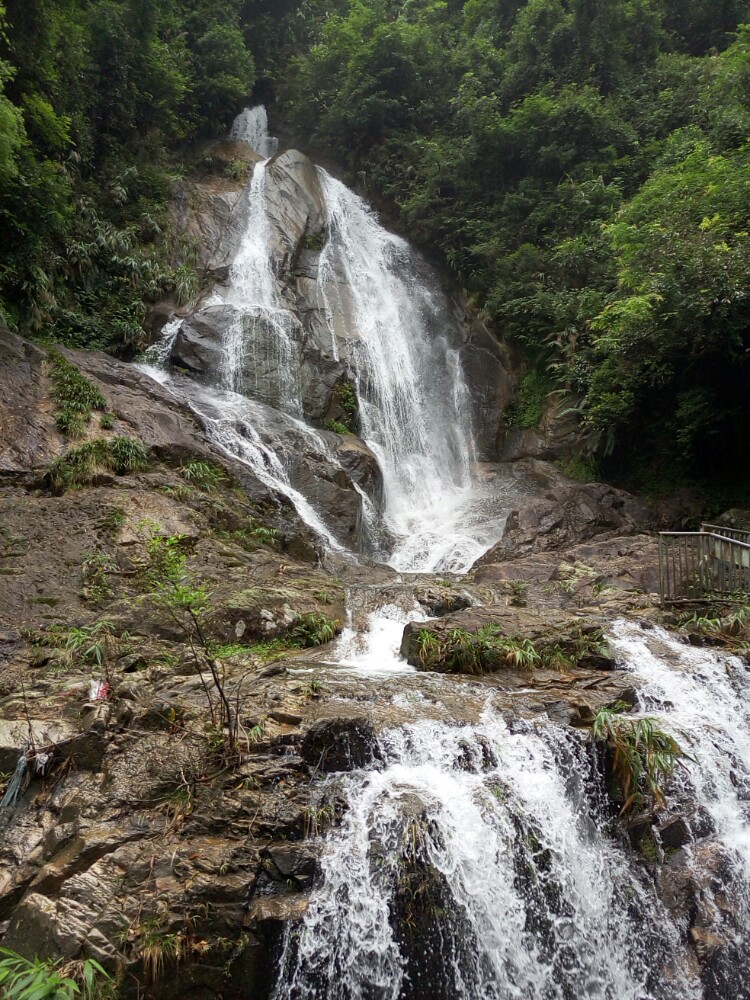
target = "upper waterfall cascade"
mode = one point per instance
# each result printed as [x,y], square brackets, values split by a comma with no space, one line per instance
[385,316]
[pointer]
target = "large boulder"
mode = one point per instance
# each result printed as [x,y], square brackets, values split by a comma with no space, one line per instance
[558,435]
[289,354]
[566,514]
[296,205]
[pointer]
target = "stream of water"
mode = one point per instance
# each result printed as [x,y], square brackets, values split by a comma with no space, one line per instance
[415,410]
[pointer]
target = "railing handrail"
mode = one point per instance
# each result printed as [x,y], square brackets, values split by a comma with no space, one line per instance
[708,534]
[694,564]
[722,529]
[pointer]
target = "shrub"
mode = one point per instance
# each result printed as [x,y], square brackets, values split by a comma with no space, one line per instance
[643,757]
[314,630]
[336,426]
[74,396]
[22,979]
[205,476]
[478,652]
[532,394]
[80,466]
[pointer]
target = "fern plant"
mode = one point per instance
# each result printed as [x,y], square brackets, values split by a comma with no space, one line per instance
[22,979]
[643,757]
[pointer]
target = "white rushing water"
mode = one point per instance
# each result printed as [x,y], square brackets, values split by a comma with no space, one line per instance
[231,422]
[415,410]
[703,697]
[251,126]
[469,867]
[476,862]
[370,642]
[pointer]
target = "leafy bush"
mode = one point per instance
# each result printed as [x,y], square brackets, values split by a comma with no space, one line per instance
[22,979]
[205,476]
[74,396]
[314,630]
[337,427]
[478,652]
[80,466]
[532,395]
[643,758]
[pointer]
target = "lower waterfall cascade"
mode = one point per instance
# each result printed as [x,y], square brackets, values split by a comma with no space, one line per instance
[478,862]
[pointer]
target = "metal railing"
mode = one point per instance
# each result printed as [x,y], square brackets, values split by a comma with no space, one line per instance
[738,534]
[694,565]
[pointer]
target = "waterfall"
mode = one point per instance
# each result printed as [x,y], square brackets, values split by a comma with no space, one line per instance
[471,864]
[703,697]
[401,348]
[413,400]
[251,126]
[479,862]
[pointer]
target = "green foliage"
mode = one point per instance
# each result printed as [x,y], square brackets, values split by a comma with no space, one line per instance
[532,396]
[314,630]
[315,242]
[345,396]
[336,426]
[22,979]
[643,758]
[253,536]
[238,170]
[484,651]
[74,396]
[95,99]
[583,470]
[177,593]
[88,645]
[488,649]
[81,465]
[722,625]
[204,475]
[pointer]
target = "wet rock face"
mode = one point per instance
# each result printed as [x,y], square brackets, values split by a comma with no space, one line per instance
[566,515]
[339,744]
[489,369]
[28,437]
[696,885]
[207,212]
[558,435]
[297,216]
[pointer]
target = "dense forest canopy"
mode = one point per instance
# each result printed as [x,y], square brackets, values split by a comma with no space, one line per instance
[582,166]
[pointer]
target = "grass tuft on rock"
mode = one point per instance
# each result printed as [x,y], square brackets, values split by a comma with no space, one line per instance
[74,396]
[314,630]
[81,465]
[642,758]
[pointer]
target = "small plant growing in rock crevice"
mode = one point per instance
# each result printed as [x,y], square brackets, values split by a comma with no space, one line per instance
[74,396]
[22,979]
[184,600]
[642,758]
[204,475]
[475,652]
